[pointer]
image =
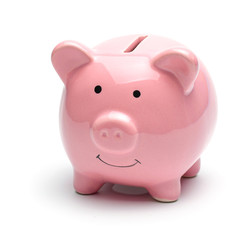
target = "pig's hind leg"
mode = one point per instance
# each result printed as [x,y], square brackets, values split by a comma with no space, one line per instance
[193,171]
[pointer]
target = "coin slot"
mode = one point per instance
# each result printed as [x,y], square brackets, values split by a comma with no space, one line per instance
[134,45]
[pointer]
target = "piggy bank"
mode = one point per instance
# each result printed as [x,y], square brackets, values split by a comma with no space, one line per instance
[136,110]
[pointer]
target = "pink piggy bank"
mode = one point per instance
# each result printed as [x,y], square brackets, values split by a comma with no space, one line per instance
[136,110]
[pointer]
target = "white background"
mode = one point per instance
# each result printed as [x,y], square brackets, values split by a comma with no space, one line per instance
[37,200]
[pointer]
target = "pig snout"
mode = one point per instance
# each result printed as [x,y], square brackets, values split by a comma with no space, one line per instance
[114,132]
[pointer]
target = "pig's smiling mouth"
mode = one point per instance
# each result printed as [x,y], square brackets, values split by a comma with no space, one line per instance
[121,166]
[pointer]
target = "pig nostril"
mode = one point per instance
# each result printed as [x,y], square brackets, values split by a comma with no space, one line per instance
[104,134]
[118,135]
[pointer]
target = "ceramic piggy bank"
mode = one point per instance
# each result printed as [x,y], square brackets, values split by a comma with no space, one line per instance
[136,110]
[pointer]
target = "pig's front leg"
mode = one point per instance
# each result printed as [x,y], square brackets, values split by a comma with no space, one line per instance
[192,172]
[86,185]
[166,192]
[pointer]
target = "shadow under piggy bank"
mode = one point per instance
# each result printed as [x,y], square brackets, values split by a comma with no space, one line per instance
[117,192]
[59,185]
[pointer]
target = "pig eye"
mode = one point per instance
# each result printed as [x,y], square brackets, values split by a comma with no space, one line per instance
[136,94]
[98,89]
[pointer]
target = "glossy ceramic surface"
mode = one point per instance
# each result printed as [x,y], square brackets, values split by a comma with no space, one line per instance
[136,110]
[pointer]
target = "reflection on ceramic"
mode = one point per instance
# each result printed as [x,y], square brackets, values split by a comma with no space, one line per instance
[136,110]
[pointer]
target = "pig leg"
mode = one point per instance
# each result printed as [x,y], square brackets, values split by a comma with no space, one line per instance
[167,191]
[192,172]
[86,185]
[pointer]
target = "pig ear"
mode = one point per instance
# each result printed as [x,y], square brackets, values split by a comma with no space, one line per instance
[180,62]
[68,56]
